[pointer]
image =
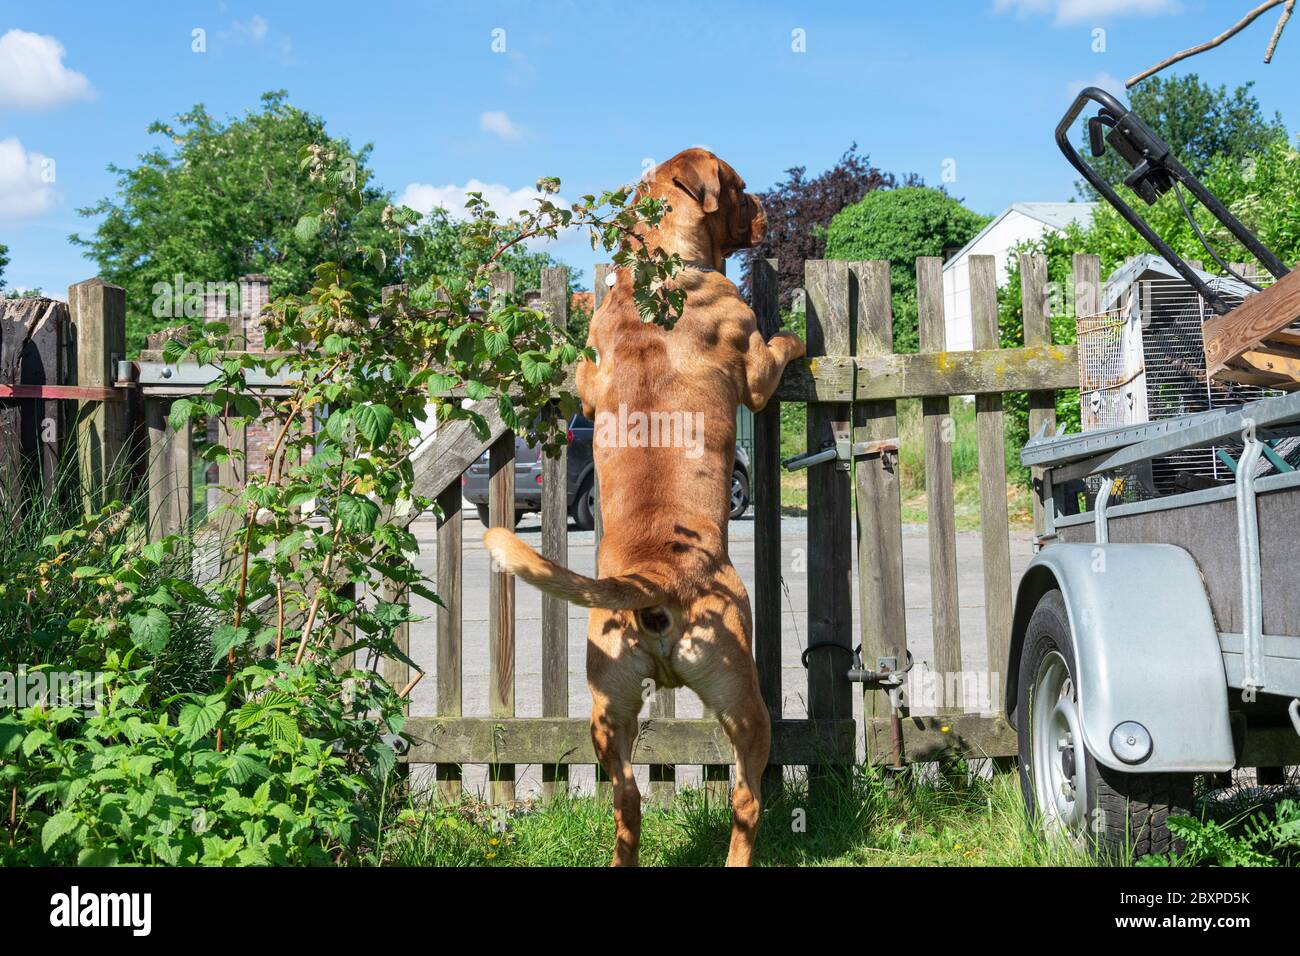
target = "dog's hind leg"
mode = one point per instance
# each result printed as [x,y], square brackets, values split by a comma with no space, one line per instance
[613,735]
[746,722]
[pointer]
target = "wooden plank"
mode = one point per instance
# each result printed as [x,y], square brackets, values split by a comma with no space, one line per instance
[1266,367]
[456,446]
[567,740]
[766,477]
[921,374]
[830,542]
[21,322]
[555,546]
[823,378]
[98,314]
[44,367]
[1226,337]
[501,607]
[881,589]
[397,672]
[602,272]
[995,540]
[970,735]
[1038,332]
[449,623]
[937,427]
[171,472]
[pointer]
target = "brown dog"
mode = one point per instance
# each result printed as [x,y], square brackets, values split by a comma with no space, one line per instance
[668,608]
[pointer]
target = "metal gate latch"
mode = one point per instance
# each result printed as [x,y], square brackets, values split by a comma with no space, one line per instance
[842,452]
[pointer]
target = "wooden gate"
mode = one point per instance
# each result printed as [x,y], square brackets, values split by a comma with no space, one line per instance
[851,382]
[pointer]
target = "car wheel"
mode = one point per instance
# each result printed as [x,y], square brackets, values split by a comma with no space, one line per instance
[1066,792]
[584,506]
[739,494]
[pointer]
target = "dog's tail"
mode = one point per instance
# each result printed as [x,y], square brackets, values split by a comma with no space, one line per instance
[632,592]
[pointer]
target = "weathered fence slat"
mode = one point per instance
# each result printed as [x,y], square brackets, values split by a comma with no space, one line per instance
[830,542]
[568,740]
[171,470]
[449,623]
[766,468]
[98,313]
[501,589]
[881,597]
[555,546]
[995,542]
[1038,332]
[937,427]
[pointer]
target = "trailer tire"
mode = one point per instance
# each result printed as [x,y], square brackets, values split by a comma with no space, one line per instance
[1110,812]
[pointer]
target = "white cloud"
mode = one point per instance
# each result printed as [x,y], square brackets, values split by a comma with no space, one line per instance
[1086,11]
[254,30]
[1104,80]
[506,202]
[495,121]
[32,74]
[26,181]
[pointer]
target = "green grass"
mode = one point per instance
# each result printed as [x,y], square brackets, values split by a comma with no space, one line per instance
[965,466]
[862,821]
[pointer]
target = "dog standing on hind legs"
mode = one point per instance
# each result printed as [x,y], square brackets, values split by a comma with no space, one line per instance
[667,607]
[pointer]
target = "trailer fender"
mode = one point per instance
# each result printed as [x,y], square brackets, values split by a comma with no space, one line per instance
[1146,649]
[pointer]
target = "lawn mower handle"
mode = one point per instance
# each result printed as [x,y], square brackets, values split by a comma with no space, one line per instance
[1156,170]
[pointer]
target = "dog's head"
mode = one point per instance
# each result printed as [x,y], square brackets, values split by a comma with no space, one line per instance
[710,207]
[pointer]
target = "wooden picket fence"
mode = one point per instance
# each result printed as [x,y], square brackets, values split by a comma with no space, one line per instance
[851,382]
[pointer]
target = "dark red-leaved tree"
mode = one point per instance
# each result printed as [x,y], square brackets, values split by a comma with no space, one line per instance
[799,209]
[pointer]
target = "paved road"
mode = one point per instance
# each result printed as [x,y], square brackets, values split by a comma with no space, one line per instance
[794,533]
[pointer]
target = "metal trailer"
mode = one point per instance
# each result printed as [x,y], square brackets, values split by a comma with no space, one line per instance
[1156,640]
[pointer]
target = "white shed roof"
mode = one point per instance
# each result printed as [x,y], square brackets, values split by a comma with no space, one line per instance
[1055,215]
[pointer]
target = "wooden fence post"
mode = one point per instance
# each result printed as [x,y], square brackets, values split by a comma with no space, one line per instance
[600,274]
[555,546]
[501,591]
[98,313]
[33,333]
[767,521]
[830,541]
[995,541]
[449,620]
[881,590]
[171,464]
[941,518]
[1038,331]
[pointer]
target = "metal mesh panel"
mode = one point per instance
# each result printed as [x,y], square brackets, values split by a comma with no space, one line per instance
[1143,360]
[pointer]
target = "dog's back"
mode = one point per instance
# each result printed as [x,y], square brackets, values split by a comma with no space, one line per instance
[665,429]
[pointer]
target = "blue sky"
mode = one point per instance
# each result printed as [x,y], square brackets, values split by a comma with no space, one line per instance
[977,84]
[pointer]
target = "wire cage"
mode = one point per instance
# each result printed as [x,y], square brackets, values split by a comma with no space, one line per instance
[1142,359]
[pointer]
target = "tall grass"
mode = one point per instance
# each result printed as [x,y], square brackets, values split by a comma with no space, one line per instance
[861,820]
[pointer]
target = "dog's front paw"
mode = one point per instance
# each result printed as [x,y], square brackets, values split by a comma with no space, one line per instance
[794,346]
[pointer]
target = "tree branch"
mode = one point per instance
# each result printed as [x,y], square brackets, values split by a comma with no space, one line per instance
[1277,31]
[1222,38]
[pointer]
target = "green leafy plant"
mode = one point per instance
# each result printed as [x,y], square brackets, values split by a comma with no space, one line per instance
[241,717]
[1265,837]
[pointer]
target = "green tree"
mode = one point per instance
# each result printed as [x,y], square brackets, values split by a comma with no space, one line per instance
[445,249]
[220,199]
[4,261]
[1201,124]
[902,225]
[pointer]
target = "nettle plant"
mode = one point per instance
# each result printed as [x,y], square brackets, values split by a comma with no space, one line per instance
[278,753]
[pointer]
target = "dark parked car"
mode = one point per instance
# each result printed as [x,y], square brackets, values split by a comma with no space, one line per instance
[528,479]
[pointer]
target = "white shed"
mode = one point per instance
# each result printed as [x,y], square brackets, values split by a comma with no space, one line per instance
[1019,223]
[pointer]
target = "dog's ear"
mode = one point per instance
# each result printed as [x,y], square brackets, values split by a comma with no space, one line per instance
[700,178]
